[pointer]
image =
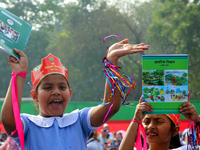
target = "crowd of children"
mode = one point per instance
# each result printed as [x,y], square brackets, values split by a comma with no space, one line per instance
[179,142]
[54,130]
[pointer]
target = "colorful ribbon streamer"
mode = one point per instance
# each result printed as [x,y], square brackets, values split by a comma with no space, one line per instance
[193,136]
[108,37]
[16,111]
[138,138]
[115,80]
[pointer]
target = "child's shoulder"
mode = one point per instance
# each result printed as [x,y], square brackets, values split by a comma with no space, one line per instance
[66,120]
[181,148]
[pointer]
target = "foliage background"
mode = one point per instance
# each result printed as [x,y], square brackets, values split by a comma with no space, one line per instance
[74,32]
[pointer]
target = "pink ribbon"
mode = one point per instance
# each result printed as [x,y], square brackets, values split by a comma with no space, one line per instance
[108,112]
[16,111]
[111,36]
[138,139]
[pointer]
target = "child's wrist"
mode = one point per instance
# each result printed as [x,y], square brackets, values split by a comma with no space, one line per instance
[113,61]
[135,119]
[197,121]
[21,74]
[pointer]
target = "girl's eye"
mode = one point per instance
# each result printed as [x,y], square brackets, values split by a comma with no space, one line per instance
[62,87]
[47,88]
[145,121]
[159,122]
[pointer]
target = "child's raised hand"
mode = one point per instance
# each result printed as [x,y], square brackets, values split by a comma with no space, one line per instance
[189,110]
[123,48]
[18,65]
[141,107]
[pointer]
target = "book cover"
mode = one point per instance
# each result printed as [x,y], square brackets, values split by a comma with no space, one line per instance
[14,32]
[165,82]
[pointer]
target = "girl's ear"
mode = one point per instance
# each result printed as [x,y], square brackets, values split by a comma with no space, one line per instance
[70,92]
[176,130]
[34,95]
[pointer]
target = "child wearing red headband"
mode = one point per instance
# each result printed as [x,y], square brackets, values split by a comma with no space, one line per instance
[160,130]
[52,129]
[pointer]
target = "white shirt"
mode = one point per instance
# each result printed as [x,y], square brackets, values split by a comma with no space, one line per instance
[94,145]
[180,148]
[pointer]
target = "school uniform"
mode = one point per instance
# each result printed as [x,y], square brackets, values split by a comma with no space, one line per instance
[69,132]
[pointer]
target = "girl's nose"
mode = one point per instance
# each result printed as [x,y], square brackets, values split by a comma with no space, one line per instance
[151,125]
[56,91]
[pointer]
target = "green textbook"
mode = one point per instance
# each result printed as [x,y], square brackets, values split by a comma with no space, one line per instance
[165,82]
[14,32]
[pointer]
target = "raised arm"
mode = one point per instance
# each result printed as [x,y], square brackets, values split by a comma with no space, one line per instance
[116,51]
[129,138]
[7,115]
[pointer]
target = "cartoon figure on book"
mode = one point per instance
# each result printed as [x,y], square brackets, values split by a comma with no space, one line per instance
[160,131]
[52,129]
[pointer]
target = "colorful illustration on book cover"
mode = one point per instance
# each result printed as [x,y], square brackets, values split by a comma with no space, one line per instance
[153,93]
[153,77]
[176,77]
[8,31]
[172,85]
[176,93]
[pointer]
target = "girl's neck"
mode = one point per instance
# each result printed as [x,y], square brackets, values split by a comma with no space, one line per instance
[163,146]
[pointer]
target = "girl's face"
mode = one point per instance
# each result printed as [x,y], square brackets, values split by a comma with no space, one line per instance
[53,95]
[157,128]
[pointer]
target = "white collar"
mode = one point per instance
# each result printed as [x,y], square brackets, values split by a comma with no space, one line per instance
[66,120]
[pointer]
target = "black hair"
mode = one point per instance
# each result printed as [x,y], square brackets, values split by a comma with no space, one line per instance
[91,135]
[175,140]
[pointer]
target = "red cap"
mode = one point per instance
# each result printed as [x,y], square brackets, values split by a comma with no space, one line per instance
[50,65]
[175,118]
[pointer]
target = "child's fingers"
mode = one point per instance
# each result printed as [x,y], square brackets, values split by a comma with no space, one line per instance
[125,41]
[144,106]
[21,54]
[12,59]
[188,96]
[184,105]
[141,44]
[140,100]
[187,108]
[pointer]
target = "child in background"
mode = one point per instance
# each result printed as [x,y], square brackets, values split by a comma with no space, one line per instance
[105,138]
[112,146]
[9,144]
[159,128]
[93,143]
[52,129]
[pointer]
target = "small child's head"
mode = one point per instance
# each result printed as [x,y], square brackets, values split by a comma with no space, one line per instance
[51,87]
[113,146]
[105,133]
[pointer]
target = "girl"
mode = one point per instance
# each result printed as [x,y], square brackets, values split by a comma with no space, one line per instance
[52,129]
[159,128]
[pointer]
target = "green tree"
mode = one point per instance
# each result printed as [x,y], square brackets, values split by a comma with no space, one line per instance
[80,44]
[35,49]
[176,30]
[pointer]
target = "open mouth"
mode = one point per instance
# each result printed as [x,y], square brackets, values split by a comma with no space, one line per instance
[151,134]
[56,102]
